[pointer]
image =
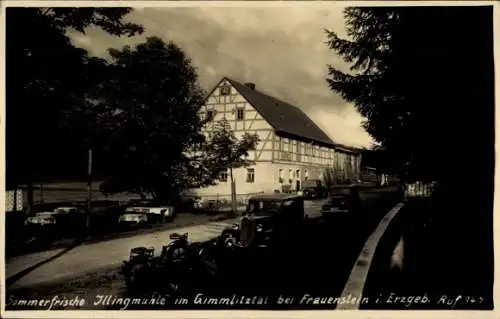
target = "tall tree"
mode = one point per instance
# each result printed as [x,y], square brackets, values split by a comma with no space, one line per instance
[149,109]
[415,80]
[424,79]
[47,76]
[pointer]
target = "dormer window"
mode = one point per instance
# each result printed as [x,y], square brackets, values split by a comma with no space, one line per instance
[225,90]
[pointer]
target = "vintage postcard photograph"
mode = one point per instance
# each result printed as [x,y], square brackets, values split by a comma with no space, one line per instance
[248,156]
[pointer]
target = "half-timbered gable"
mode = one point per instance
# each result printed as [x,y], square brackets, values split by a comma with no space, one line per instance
[226,102]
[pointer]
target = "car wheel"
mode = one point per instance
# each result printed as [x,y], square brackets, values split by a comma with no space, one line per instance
[132,277]
[175,253]
[178,253]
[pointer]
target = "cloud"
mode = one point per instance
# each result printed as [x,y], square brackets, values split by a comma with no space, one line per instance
[82,40]
[281,49]
[344,128]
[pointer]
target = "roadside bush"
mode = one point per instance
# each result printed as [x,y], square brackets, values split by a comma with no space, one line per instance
[111,186]
[15,230]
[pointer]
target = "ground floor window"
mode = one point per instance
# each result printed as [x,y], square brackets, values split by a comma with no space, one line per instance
[223,176]
[281,176]
[250,175]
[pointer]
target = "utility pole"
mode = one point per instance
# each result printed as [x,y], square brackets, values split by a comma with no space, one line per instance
[233,192]
[30,196]
[41,193]
[89,189]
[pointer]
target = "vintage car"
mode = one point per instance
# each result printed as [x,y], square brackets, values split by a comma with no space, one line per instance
[135,269]
[197,203]
[313,189]
[268,221]
[66,210]
[132,219]
[42,219]
[181,266]
[177,248]
[342,200]
[140,254]
[52,217]
[154,213]
[190,203]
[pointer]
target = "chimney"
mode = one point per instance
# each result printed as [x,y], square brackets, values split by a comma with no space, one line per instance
[250,85]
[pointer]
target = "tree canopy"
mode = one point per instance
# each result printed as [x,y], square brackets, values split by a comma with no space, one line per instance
[224,151]
[148,114]
[138,111]
[47,76]
[148,109]
[423,79]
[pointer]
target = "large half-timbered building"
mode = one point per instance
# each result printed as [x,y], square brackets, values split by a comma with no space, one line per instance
[292,147]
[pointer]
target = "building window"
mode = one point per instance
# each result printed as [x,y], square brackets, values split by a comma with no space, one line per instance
[286,150]
[250,175]
[306,175]
[223,176]
[281,176]
[290,176]
[210,115]
[240,114]
[225,90]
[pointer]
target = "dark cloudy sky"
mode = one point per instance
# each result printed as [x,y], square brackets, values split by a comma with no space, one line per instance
[280,48]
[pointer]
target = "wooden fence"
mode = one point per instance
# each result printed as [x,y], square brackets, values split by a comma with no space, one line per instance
[221,202]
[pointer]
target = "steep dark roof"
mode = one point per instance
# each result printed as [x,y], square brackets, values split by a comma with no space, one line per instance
[282,116]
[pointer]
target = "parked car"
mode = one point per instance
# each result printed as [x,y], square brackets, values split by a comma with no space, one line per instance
[154,213]
[197,203]
[42,219]
[136,267]
[313,189]
[342,200]
[189,204]
[132,219]
[70,219]
[63,220]
[177,248]
[268,220]
[66,210]
[182,267]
